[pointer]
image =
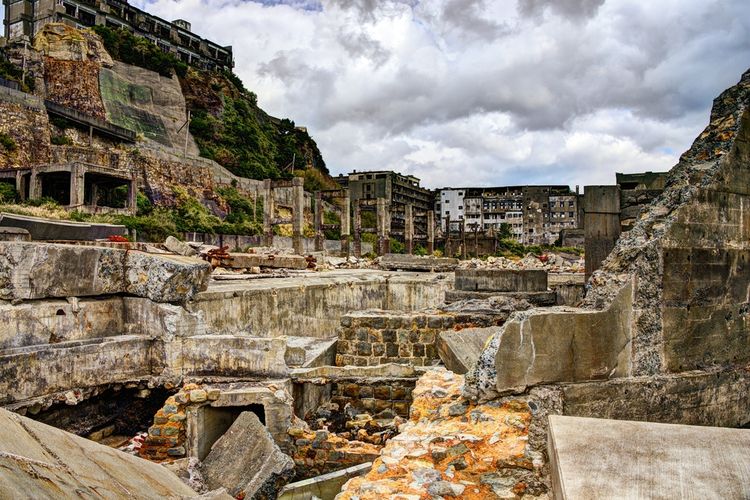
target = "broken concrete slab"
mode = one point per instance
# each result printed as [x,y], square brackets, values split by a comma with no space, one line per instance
[501,280]
[40,461]
[539,299]
[388,370]
[51,229]
[247,462]
[401,262]
[248,260]
[597,458]
[14,234]
[179,247]
[324,487]
[459,350]
[47,270]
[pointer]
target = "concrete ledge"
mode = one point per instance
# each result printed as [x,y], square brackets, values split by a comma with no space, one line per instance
[501,280]
[325,486]
[459,350]
[248,260]
[396,262]
[594,458]
[49,229]
[540,299]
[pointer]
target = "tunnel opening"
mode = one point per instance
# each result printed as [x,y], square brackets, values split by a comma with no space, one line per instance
[111,417]
[102,190]
[214,422]
[56,185]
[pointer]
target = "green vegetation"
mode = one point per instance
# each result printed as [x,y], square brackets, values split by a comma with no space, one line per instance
[61,140]
[7,142]
[138,51]
[11,72]
[8,193]
[332,218]
[396,246]
[511,248]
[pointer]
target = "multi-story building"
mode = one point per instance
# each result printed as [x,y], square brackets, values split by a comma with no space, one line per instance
[534,214]
[24,18]
[398,189]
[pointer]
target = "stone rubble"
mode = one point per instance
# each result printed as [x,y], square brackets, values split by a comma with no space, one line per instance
[552,262]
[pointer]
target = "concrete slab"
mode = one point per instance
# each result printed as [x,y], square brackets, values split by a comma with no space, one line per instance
[246,461]
[324,487]
[399,262]
[540,299]
[49,229]
[459,350]
[248,260]
[39,461]
[501,280]
[616,459]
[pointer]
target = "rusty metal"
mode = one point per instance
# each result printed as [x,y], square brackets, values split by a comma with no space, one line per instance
[312,262]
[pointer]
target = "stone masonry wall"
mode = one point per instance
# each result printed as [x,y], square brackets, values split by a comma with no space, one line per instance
[374,398]
[24,120]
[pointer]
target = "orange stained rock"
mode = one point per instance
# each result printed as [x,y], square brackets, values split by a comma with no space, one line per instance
[448,438]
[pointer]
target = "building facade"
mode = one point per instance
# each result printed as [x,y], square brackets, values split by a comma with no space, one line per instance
[534,214]
[399,190]
[24,18]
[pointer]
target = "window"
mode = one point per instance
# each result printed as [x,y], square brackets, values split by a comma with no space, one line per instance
[447,202]
[570,214]
[447,212]
[460,193]
[461,217]
[570,203]
[460,207]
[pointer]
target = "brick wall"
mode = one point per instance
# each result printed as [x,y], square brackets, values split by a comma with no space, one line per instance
[373,398]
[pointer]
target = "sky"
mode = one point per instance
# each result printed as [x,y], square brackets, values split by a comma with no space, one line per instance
[482,92]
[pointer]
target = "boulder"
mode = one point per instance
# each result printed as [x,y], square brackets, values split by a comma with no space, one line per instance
[179,247]
[247,462]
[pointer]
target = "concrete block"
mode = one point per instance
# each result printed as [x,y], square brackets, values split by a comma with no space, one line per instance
[248,260]
[596,458]
[325,486]
[179,247]
[14,234]
[501,280]
[40,461]
[48,229]
[459,350]
[539,299]
[246,461]
[401,262]
[44,270]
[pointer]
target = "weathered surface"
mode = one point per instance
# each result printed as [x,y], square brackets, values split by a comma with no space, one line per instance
[593,458]
[44,270]
[39,461]
[459,350]
[501,280]
[14,234]
[451,447]
[50,229]
[325,486]
[686,260]
[248,260]
[400,262]
[247,462]
[179,247]
[539,299]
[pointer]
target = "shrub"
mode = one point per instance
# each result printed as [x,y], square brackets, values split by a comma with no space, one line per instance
[61,140]
[7,142]
[8,193]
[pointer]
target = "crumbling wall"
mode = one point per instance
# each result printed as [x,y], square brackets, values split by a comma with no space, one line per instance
[24,120]
[686,260]
[392,396]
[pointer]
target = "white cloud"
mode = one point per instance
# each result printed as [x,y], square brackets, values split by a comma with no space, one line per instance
[462,92]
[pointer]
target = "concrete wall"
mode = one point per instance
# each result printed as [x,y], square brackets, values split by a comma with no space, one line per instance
[314,306]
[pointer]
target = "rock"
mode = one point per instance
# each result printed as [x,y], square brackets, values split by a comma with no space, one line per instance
[179,247]
[445,489]
[198,396]
[246,461]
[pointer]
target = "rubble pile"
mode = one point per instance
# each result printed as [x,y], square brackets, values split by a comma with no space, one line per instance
[552,262]
[453,448]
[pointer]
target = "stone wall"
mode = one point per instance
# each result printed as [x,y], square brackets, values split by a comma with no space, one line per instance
[321,452]
[374,397]
[24,119]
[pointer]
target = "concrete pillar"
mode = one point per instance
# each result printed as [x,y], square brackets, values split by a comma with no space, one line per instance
[21,184]
[384,227]
[357,230]
[448,246]
[132,205]
[430,232]
[409,228]
[268,209]
[601,207]
[318,218]
[77,173]
[345,224]
[298,214]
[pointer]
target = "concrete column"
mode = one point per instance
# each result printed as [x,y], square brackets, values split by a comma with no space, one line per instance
[345,224]
[21,184]
[132,205]
[268,209]
[448,246]
[77,173]
[430,232]
[298,214]
[601,207]
[357,230]
[383,227]
[318,221]
[409,228]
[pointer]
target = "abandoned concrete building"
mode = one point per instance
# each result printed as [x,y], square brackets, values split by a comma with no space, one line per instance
[534,214]
[174,369]
[23,20]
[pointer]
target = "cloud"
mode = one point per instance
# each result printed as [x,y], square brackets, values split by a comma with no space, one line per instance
[485,91]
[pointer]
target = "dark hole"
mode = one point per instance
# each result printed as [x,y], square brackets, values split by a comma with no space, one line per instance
[60,312]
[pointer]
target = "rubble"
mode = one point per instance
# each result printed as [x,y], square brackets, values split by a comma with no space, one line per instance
[179,247]
[452,447]
[550,261]
[402,262]
[247,462]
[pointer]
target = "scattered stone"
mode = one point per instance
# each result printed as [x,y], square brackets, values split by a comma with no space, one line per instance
[179,247]
[445,489]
